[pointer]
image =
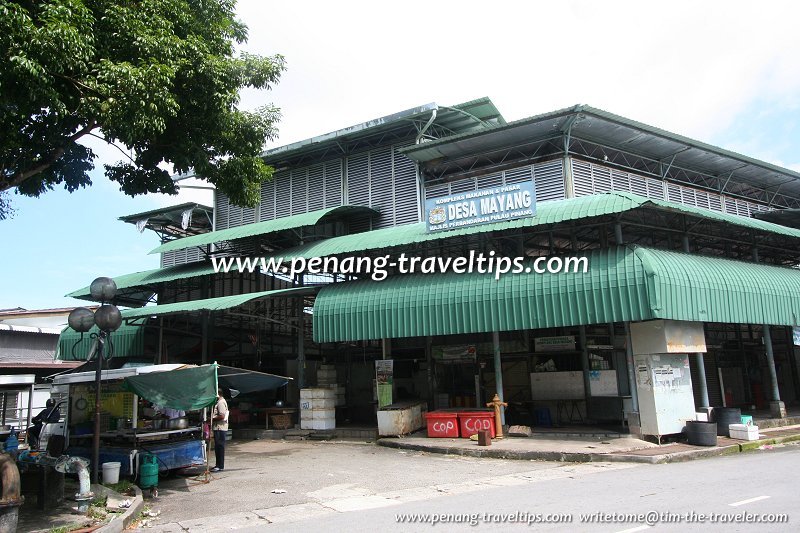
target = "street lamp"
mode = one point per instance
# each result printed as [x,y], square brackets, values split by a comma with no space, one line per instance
[108,319]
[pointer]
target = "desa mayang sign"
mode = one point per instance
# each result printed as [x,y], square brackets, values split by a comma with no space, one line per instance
[480,207]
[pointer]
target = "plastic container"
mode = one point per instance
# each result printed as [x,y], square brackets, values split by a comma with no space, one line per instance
[442,424]
[747,420]
[148,471]
[111,472]
[743,432]
[471,422]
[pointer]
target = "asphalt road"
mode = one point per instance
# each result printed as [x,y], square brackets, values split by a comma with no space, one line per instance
[754,483]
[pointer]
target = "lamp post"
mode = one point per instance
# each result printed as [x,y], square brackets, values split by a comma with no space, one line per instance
[108,319]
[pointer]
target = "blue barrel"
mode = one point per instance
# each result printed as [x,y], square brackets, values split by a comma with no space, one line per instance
[148,470]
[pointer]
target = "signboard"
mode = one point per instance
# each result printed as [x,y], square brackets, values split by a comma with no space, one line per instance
[455,353]
[565,343]
[384,378]
[473,208]
[796,335]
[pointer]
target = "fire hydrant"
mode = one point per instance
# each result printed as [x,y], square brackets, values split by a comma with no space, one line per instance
[498,424]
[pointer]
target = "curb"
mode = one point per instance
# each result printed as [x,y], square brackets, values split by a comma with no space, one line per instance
[121,522]
[578,457]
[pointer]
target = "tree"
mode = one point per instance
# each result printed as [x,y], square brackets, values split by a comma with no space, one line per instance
[158,77]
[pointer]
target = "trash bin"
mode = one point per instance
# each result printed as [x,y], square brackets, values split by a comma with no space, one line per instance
[471,422]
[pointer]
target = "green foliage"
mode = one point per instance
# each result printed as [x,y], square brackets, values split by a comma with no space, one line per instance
[159,77]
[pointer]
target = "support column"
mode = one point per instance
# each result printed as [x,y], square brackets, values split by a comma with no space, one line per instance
[160,341]
[386,348]
[204,339]
[585,366]
[429,360]
[701,363]
[631,369]
[301,345]
[498,373]
[777,408]
[628,344]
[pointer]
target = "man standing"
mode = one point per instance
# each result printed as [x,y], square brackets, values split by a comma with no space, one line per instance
[219,425]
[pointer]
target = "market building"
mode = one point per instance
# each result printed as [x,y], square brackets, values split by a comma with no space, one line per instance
[686,243]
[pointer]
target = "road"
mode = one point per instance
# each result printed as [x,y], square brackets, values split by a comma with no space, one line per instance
[758,483]
[339,486]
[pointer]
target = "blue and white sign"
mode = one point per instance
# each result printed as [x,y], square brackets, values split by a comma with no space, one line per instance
[796,335]
[472,208]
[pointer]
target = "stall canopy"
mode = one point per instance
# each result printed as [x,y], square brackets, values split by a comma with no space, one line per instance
[194,387]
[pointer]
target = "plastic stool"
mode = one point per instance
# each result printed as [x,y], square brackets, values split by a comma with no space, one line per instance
[543,417]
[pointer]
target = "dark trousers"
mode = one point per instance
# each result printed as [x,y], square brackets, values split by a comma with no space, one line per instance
[219,447]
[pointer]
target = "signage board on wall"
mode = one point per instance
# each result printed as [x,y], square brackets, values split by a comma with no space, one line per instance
[565,343]
[473,208]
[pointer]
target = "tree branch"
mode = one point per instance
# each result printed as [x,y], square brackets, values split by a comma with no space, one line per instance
[46,162]
[112,144]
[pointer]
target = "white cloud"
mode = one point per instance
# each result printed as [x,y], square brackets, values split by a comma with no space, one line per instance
[689,67]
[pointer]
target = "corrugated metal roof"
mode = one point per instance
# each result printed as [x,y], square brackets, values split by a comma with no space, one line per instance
[134,286]
[598,126]
[262,228]
[622,284]
[546,213]
[211,304]
[474,115]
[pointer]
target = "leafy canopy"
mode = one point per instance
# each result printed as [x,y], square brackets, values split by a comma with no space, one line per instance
[159,77]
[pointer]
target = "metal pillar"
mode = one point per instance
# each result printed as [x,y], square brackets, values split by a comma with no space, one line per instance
[204,340]
[301,345]
[701,363]
[101,340]
[429,360]
[585,366]
[386,348]
[161,341]
[628,344]
[631,369]
[498,373]
[776,406]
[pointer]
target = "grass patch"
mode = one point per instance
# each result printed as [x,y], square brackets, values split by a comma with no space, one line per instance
[123,487]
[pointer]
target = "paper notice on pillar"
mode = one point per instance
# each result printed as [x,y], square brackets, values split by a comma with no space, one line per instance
[643,376]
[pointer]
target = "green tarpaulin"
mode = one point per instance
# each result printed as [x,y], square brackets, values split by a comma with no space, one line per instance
[195,387]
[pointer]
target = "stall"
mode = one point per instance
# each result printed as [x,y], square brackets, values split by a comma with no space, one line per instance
[157,409]
[129,424]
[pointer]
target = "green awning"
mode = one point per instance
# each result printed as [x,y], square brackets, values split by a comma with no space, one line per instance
[137,286]
[211,304]
[127,341]
[547,213]
[195,387]
[622,284]
[262,228]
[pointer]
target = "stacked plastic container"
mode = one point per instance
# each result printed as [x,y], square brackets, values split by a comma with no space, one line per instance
[318,408]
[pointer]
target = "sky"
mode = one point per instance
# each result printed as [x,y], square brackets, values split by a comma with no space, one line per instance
[725,73]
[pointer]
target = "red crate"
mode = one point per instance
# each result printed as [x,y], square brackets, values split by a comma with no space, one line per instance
[470,422]
[442,424]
